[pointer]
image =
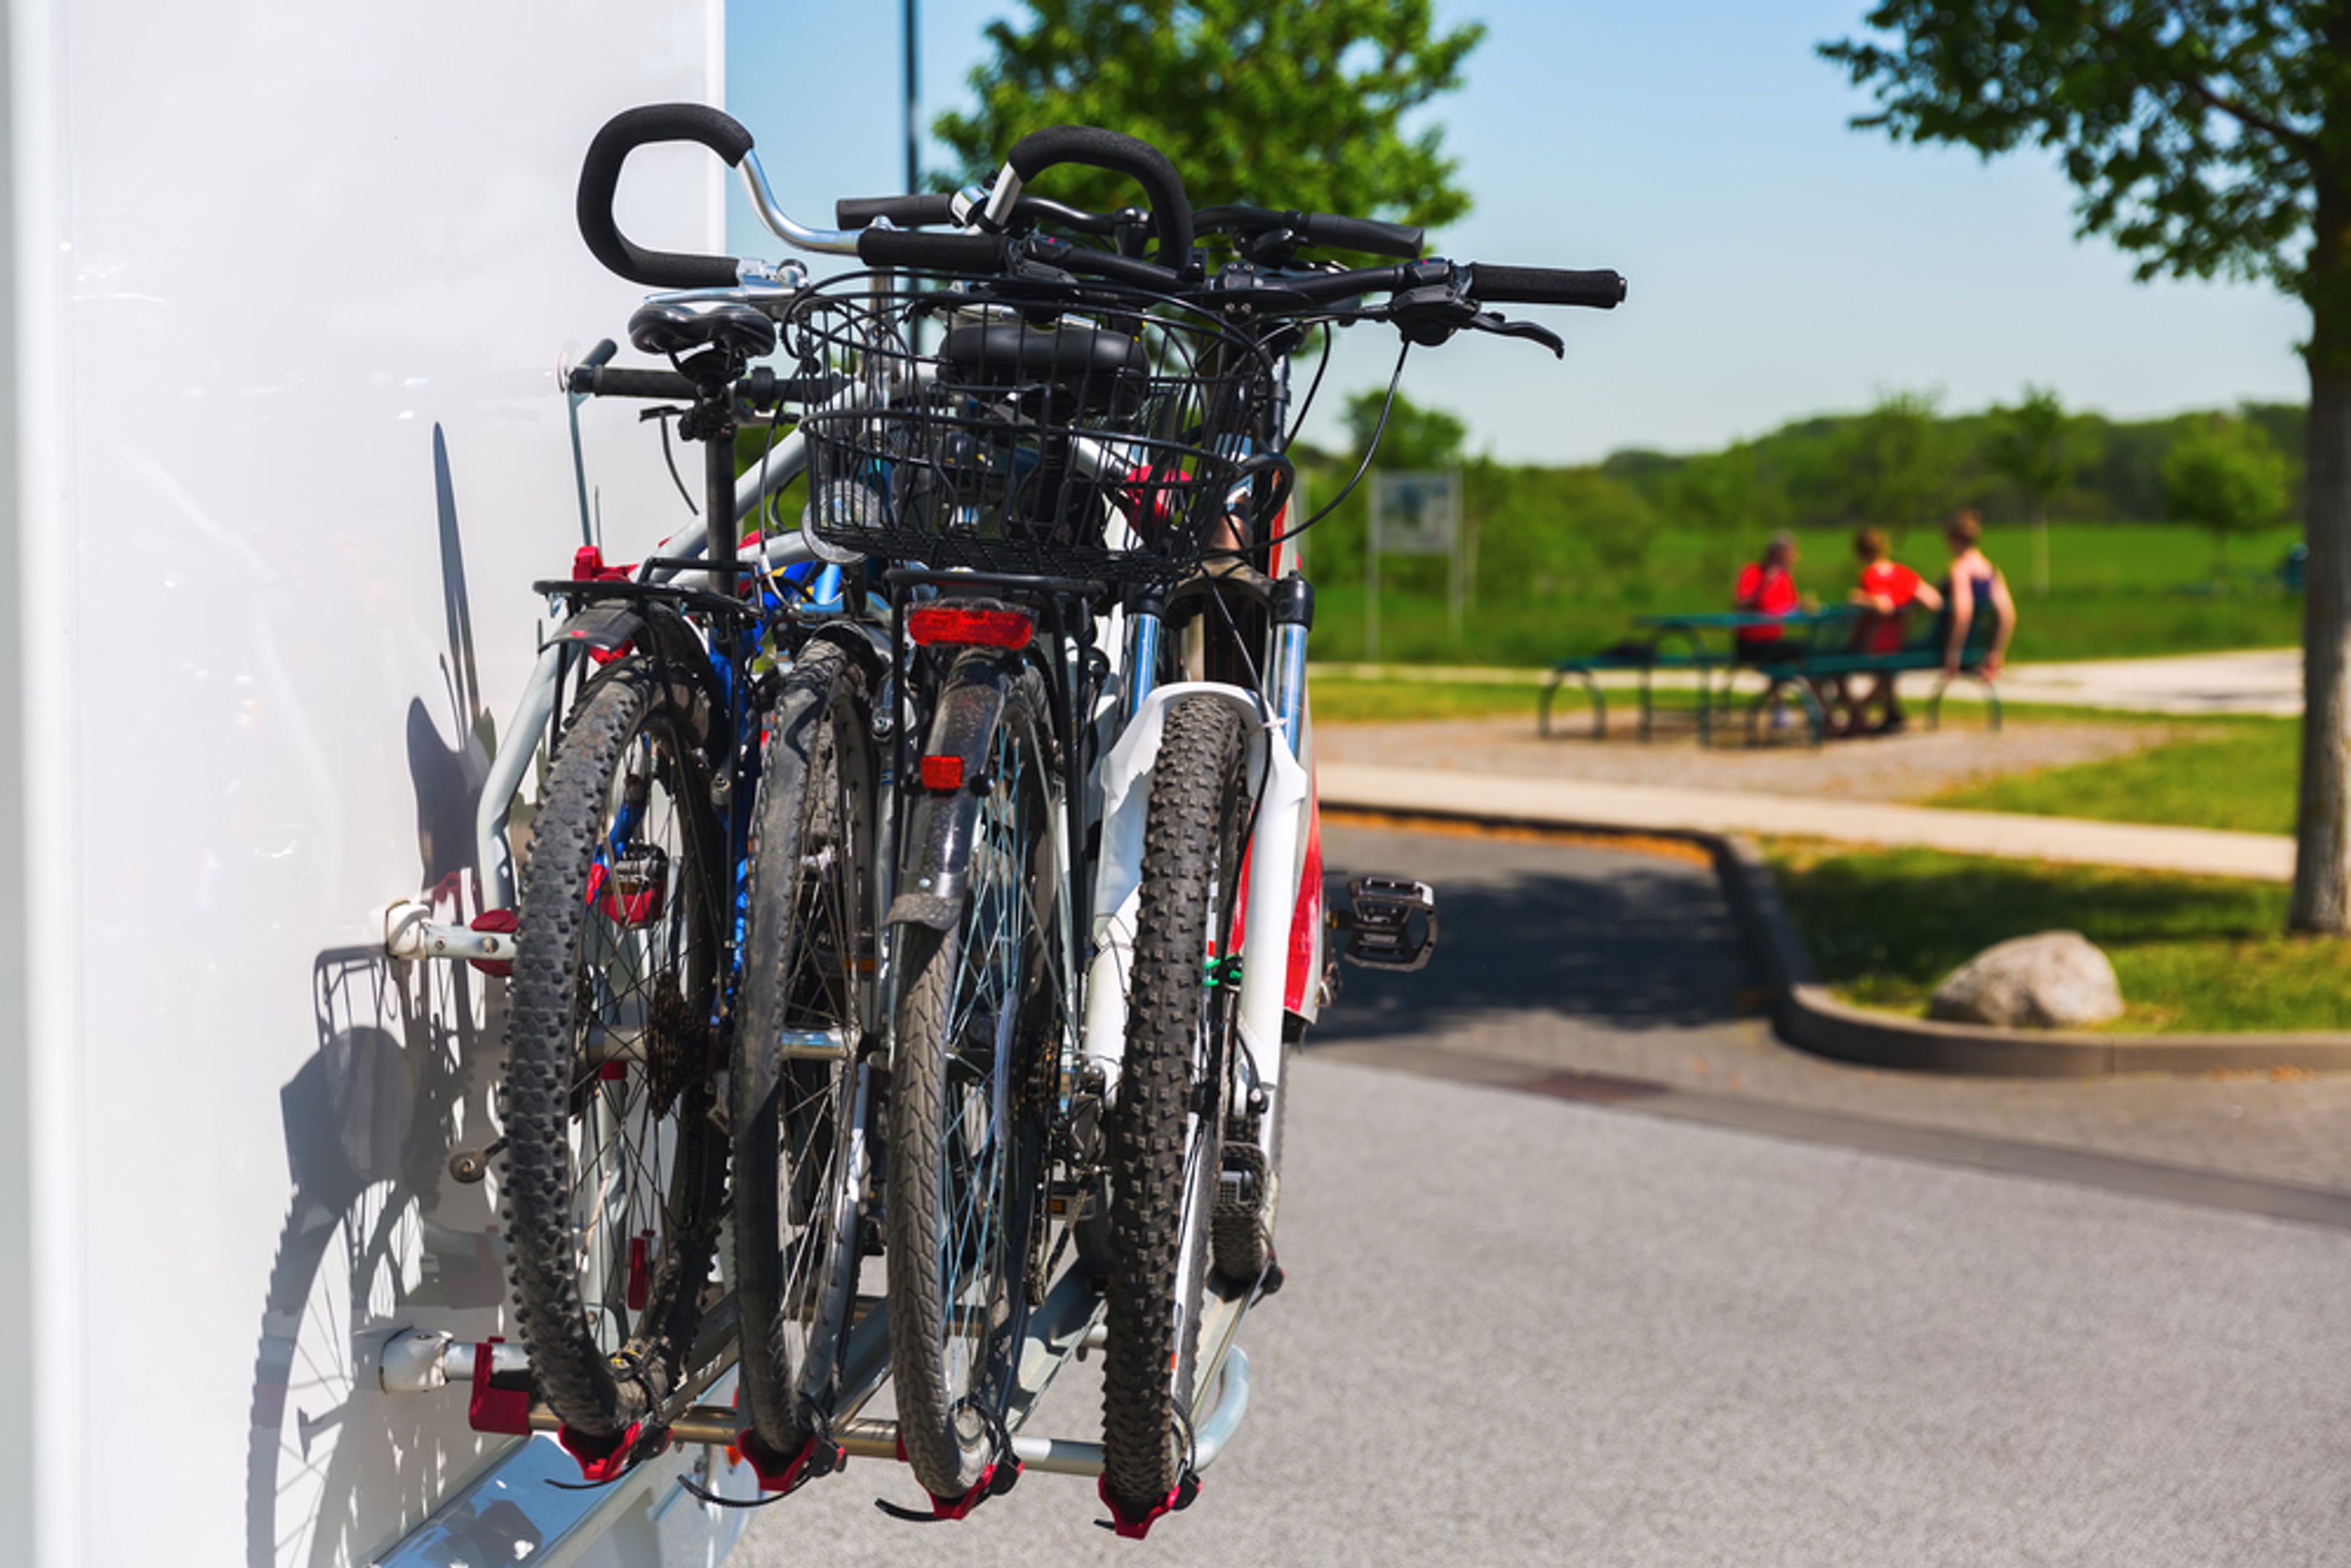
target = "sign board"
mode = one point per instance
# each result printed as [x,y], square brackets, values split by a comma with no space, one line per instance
[1415,512]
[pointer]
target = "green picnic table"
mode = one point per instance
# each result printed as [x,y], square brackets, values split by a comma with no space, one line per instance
[1707,640]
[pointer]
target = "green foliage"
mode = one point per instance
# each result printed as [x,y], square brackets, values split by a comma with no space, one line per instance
[1722,495]
[2037,447]
[2226,477]
[1414,437]
[2194,132]
[1897,465]
[1285,103]
[2191,953]
[2238,776]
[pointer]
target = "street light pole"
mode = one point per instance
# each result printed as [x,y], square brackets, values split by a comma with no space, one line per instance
[913,131]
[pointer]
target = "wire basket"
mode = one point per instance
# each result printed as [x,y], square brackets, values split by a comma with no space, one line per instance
[1032,428]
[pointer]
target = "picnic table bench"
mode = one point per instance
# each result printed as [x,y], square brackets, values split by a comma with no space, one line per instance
[1816,648]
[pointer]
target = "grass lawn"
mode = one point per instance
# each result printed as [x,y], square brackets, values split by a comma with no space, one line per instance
[2240,774]
[2115,589]
[2192,953]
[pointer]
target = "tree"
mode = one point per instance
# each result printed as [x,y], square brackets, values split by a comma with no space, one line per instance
[1722,495]
[1416,437]
[2038,446]
[1283,103]
[2206,140]
[2226,477]
[1898,463]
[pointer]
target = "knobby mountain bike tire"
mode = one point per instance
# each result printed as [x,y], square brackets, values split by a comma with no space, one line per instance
[1167,1125]
[978,1024]
[807,956]
[614,1172]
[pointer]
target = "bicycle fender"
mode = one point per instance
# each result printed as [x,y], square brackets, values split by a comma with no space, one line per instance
[936,858]
[607,628]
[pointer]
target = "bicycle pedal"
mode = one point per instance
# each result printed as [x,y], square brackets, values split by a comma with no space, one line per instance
[1378,922]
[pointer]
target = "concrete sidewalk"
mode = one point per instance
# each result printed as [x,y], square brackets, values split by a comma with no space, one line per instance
[2258,681]
[2202,851]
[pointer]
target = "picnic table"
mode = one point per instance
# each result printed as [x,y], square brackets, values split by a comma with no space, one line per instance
[1814,647]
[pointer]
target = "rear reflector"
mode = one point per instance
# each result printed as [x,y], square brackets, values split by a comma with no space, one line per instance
[942,772]
[961,627]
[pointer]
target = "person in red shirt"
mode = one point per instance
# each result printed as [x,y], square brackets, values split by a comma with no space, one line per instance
[1768,587]
[1887,593]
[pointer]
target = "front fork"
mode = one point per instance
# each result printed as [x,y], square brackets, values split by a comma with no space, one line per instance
[1278,718]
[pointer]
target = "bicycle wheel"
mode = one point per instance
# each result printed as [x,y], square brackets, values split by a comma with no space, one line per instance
[799,1149]
[615,1172]
[977,1034]
[1165,1138]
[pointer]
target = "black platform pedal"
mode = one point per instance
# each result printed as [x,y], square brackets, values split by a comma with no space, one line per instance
[1378,921]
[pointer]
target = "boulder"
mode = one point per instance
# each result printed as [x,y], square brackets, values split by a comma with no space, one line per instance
[2057,980]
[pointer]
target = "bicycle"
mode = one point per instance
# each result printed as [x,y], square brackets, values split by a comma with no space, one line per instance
[990,821]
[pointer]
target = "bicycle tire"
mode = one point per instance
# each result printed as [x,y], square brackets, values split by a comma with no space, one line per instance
[1164,1147]
[951,1190]
[805,951]
[609,938]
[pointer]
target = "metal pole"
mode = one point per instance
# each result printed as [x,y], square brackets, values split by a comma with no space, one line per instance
[1371,578]
[914,96]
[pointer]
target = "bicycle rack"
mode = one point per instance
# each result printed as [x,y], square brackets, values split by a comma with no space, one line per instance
[1068,1324]
[1062,1329]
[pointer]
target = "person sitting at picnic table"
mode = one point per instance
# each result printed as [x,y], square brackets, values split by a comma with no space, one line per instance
[1887,593]
[1768,587]
[1975,587]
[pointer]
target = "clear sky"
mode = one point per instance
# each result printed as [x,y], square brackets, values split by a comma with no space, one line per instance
[1781,265]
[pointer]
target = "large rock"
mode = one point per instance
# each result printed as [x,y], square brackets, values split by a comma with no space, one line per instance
[2057,980]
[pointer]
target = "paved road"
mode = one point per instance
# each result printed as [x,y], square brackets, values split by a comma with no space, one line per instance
[1522,1330]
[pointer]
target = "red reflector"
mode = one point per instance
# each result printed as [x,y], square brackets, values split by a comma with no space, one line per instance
[641,1273]
[961,626]
[942,772]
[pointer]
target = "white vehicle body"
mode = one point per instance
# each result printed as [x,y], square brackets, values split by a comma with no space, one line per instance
[283,450]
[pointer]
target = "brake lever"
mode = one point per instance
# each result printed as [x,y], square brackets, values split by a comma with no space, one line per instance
[1534,332]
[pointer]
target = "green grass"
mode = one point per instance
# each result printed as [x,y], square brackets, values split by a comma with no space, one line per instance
[1338,700]
[2193,953]
[2240,774]
[2117,590]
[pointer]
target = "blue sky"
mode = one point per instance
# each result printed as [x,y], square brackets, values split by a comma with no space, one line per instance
[1781,265]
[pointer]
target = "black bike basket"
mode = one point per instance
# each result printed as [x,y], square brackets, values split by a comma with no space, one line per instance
[1033,427]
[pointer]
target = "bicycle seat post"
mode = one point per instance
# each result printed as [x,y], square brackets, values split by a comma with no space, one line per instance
[718,490]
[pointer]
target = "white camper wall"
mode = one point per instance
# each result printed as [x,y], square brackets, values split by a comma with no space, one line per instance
[288,285]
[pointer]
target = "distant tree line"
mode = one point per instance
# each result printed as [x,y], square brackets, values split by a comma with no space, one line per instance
[1536,531]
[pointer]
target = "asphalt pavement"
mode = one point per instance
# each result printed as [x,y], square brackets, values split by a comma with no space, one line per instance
[1522,1329]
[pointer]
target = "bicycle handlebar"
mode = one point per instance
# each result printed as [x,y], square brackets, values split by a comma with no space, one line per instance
[906,212]
[600,177]
[1403,240]
[1599,290]
[938,253]
[1171,213]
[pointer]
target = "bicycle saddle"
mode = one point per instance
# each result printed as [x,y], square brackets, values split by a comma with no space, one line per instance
[678,327]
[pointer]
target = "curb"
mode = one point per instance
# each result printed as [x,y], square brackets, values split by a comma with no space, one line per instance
[1807,1015]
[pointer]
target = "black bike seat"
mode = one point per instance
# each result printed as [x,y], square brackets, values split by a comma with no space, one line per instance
[678,327]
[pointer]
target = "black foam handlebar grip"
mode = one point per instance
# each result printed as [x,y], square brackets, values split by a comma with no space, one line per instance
[906,212]
[1403,240]
[931,253]
[600,177]
[1171,214]
[1602,290]
[1400,240]
[622,380]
